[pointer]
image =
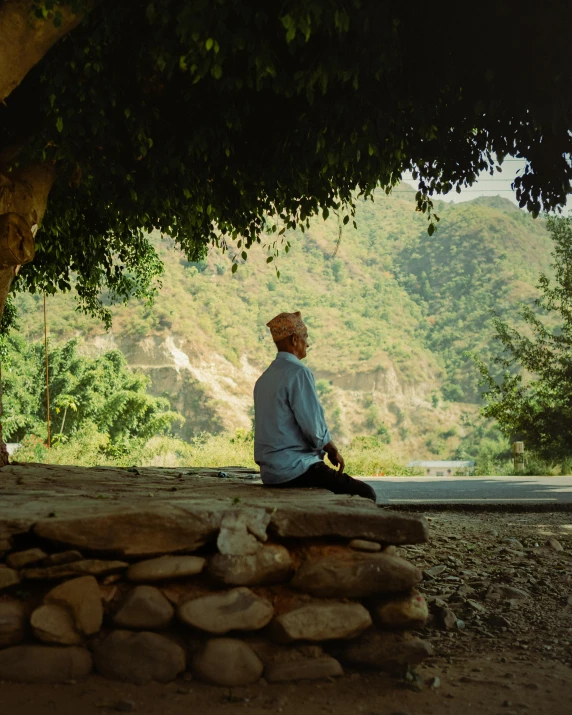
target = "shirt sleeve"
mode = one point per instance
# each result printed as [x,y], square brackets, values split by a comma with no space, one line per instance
[308,412]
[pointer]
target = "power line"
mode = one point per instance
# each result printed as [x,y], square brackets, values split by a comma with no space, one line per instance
[463,191]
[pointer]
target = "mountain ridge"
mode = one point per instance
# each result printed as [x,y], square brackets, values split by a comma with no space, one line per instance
[391,315]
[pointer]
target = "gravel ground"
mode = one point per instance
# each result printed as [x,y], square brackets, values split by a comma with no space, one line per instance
[498,581]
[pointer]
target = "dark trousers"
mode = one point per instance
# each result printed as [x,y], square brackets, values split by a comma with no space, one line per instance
[323,477]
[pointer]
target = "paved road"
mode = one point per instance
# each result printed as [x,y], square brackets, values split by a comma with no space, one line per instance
[473,490]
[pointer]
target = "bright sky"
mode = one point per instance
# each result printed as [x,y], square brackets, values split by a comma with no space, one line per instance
[486,185]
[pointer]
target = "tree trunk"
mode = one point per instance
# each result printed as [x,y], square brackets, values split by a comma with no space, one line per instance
[25,39]
[23,200]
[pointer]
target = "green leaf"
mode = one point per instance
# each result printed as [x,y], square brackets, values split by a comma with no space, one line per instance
[216,71]
[209,44]
[234,267]
[151,13]
[59,124]
[431,229]
[269,259]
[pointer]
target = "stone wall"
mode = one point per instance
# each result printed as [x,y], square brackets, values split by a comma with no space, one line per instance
[231,589]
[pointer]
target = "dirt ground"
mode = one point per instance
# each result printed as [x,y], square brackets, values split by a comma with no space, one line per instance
[495,652]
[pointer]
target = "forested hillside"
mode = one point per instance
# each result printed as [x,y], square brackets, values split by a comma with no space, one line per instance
[391,315]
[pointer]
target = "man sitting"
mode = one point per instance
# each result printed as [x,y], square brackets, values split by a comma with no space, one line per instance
[291,437]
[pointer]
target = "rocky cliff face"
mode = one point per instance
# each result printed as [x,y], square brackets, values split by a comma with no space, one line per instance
[215,395]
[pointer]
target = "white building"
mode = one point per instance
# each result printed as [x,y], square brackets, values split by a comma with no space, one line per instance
[437,468]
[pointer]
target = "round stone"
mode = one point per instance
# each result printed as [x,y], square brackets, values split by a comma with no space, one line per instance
[19,559]
[54,624]
[351,574]
[385,651]
[271,564]
[139,657]
[239,609]
[302,669]
[44,664]
[227,661]
[321,621]
[82,598]
[409,611]
[144,608]
[8,577]
[13,622]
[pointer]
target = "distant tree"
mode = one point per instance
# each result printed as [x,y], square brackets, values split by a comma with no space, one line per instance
[100,391]
[212,119]
[533,398]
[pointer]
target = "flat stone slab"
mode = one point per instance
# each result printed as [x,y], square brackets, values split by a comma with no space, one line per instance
[94,567]
[165,567]
[148,512]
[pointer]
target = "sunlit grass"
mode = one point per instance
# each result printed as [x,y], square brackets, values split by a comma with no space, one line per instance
[364,456]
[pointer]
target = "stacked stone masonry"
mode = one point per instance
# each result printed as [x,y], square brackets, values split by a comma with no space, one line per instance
[232,585]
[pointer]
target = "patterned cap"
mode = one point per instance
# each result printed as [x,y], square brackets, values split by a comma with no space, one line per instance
[286,324]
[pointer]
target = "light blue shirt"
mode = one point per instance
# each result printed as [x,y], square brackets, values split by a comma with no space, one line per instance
[290,429]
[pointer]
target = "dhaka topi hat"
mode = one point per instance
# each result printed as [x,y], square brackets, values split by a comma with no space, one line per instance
[286,324]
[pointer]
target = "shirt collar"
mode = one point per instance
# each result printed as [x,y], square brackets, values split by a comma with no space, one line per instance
[286,356]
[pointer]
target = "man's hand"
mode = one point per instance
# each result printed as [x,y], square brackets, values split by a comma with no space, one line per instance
[334,456]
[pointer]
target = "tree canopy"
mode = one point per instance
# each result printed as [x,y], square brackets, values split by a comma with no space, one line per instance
[532,401]
[213,120]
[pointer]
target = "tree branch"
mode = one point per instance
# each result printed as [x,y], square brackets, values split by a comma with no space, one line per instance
[25,39]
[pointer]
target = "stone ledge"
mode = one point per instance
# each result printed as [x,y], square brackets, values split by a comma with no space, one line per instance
[119,571]
[117,511]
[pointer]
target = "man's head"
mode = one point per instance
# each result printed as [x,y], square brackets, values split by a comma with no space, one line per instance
[290,334]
